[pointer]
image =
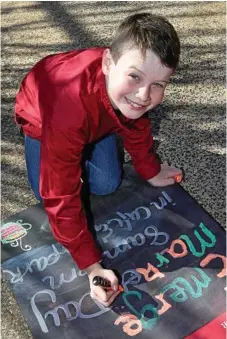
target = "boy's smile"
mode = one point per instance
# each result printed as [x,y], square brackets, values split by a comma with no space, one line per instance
[134,84]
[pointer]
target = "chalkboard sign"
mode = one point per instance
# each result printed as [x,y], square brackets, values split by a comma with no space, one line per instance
[168,252]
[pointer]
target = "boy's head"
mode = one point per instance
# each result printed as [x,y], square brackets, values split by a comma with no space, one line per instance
[143,55]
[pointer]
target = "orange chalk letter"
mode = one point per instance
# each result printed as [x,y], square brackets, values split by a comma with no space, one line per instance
[176,254]
[165,306]
[153,269]
[213,256]
[130,320]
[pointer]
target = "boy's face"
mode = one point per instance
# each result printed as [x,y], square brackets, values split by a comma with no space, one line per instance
[134,84]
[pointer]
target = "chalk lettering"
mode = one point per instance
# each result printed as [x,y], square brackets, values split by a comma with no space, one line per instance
[163,203]
[65,308]
[147,324]
[150,268]
[137,240]
[106,228]
[213,256]
[174,254]
[156,234]
[179,295]
[133,278]
[135,215]
[127,221]
[36,311]
[165,194]
[117,220]
[132,325]
[166,306]
[140,213]
[162,260]
[150,231]
[39,264]
[204,244]
[73,275]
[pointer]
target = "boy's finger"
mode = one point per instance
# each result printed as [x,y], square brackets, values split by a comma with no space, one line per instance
[111,299]
[112,279]
[100,293]
[172,172]
[169,181]
[107,302]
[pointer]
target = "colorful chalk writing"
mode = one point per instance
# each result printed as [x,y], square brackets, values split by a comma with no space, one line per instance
[153,269]
[184,251]
[174,254]
[132,325]
[162,260]
[130,277]
[146,323]
[213,256]
[182,288]
[180,294]
[13,232]
[204,244]
[165,306]
[140,227]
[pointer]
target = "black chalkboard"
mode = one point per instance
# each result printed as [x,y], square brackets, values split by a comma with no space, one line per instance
[167,250]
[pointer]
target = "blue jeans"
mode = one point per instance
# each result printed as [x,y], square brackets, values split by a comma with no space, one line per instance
[101,164]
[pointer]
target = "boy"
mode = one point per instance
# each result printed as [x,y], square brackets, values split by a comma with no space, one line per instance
[79,98]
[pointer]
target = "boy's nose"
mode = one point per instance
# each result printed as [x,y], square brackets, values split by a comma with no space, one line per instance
[144,95]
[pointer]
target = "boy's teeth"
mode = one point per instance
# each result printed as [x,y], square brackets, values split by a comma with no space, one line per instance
[133,104]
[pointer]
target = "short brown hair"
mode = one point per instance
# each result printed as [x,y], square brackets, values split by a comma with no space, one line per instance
[147,31]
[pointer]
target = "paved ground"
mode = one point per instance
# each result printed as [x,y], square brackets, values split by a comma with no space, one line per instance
[189,126]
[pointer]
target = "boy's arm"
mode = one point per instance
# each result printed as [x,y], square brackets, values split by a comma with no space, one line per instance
[60,187]
[138,141]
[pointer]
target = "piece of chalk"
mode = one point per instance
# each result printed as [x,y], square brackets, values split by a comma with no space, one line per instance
[99,281]
[120,288]
[178,178]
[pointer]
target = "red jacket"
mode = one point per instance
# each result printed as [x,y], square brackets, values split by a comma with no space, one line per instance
[63,102]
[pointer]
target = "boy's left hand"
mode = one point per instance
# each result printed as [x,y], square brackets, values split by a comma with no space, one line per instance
[166,176]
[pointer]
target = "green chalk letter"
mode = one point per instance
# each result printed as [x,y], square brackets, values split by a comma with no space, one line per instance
[203,242]
[180,295]
[147,324]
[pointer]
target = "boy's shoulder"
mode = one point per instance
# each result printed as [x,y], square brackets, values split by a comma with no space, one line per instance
[62,68]
[77,57]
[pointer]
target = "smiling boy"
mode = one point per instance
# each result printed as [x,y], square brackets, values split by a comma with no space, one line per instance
[71,105]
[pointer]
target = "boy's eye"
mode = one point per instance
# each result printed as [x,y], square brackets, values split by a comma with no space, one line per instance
[134,76]
[158,85]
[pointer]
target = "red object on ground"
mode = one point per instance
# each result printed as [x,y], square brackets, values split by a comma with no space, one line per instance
[214,329]
[178,178]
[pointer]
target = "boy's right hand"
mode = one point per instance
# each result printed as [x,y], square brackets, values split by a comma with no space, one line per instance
[99,293]
[166,176]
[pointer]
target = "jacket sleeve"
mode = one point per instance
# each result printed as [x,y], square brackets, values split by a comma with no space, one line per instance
[138,141]
[60,185]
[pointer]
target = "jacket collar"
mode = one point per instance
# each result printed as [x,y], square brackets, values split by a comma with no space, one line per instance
[100,86]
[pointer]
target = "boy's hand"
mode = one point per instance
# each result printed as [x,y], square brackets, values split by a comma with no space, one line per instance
[99,293]
[166,176]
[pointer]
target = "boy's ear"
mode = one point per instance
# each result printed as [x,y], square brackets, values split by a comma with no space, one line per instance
[106,61]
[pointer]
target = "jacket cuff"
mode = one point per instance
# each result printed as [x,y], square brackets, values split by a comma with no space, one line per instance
[149,170]
[90,256]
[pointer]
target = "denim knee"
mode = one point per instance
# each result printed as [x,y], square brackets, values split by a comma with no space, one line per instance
[105,185]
